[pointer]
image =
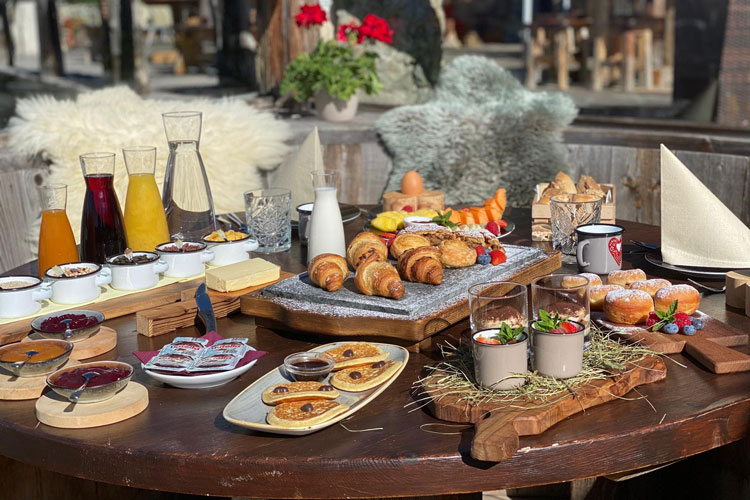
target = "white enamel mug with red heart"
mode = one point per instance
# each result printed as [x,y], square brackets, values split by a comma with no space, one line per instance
[599,248]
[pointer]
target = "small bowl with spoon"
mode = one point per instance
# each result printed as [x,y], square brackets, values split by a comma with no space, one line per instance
[35,357]
[91,382]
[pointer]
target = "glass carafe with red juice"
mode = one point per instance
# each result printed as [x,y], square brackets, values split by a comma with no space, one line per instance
[102,228]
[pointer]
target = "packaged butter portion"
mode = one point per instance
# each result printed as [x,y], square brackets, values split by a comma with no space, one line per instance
[241,275]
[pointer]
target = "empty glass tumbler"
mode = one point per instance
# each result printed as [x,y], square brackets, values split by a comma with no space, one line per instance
[268,216]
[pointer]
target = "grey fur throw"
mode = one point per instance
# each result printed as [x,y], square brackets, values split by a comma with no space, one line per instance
[481,131]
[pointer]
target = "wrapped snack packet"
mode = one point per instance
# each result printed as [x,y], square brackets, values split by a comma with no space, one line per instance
[201,341]
[171,362]
[229,343]
[216,362]
[188,348]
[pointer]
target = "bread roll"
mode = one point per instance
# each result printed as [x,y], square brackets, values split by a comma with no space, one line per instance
[628,307]
[552,189]
[688,298]
[565,182]
[597,294]
[574,280]
[625,278]
[587,183]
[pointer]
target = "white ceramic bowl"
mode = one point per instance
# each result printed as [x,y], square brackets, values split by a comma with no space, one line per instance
[415,220]
[136,276]
[78,289]
[23,301]
[231,252]
[200,381]
[185,264]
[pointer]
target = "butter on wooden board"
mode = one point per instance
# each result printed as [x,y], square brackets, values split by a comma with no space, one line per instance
[241,275]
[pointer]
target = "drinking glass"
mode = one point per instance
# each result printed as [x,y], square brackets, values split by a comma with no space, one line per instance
[567,213]
[145,221]
[57,245]
[268,216]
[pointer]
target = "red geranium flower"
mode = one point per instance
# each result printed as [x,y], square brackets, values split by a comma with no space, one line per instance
[376,28]
[310,15]
[346,29]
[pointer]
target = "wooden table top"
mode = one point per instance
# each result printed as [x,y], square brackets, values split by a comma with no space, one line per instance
[181,442]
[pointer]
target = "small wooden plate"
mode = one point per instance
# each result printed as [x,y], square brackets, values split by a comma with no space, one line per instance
[14,388]
[102,341]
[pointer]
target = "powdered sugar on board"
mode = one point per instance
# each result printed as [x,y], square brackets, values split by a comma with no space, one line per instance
[419,300]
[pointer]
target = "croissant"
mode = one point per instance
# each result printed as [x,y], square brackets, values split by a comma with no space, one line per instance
[376,277]
[363,246]
[328,271]
[421,265]
[407,241]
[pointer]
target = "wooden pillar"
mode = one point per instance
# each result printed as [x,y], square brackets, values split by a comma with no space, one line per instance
[127,42]
[6,31]
[236,59]
[561,58]
[599,12]
[50,50]
[646,56]
[628,60]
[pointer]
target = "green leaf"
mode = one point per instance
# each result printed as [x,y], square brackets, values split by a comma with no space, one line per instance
[672,308]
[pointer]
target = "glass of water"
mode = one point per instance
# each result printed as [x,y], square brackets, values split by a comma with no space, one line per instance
[568,211]
[268,212]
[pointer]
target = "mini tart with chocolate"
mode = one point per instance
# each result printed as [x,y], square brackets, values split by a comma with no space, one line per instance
[362,378]
[298,391]
[355,354]
[304,413]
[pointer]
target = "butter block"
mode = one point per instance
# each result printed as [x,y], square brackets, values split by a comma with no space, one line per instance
[241,275]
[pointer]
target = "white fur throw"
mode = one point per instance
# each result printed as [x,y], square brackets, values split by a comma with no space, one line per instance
[237,141]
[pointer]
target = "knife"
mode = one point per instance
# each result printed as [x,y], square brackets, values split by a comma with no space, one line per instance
[205,308]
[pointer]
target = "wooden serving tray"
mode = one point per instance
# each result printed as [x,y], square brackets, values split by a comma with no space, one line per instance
[497,431]
[293,314]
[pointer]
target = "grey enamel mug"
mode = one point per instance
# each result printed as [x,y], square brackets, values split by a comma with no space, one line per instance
[599,248]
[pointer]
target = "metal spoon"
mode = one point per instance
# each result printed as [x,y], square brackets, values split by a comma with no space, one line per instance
[29,354]
[707,288]
[76,395]
[68,332]
[238,222]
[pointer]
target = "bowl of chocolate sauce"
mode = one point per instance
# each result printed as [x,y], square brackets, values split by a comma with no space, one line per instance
[308,366]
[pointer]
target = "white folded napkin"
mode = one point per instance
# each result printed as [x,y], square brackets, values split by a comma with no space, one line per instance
[697,229]
[294,173]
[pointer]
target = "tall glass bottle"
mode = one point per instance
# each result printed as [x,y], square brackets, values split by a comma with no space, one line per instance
[145,222]
[102,229]
[186,195]
[57,245]
[326,228]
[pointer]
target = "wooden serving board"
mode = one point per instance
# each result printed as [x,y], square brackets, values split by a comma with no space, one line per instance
[113,308]
[167,318]
[497,431]
[14,388]
[55,411]
[102,341]
[710,346]
[283,314]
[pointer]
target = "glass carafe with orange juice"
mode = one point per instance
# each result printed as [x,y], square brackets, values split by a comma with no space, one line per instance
[57,245]
[145,220]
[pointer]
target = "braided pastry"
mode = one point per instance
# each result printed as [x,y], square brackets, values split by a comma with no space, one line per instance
[363,246]
[374,277]
[328,271]
[407,241]
[421,265]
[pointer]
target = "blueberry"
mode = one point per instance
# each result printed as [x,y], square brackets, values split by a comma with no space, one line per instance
[484,259]
[688,330]
[671,328]
[698,324]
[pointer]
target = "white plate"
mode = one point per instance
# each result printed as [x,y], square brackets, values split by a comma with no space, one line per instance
[200,381]
[697,272]
[248,410]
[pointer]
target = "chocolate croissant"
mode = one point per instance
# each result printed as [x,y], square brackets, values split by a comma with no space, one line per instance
[364,246]
[376,277]
[407,241]
[421,265]
[328,271]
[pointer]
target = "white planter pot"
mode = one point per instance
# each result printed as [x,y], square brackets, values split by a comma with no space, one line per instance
[79,289]
[494,362]
[335,110]
[138,276]
[231,252]
[185,264]
[19,302]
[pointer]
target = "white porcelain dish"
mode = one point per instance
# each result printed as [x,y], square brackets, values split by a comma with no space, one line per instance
[24,300]
[200,381]
[248,410]
[185,264]
[78,289]
[231,252]
[136,276]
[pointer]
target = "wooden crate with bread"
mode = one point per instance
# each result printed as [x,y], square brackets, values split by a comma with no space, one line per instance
[563,184]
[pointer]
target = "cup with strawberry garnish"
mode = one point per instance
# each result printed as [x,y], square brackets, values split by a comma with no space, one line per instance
[499,320]
[557,345]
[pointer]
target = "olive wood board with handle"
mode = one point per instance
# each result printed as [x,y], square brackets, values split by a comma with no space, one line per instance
[338,320]
[169,317]
[497,430]
[711,347]
[112,308]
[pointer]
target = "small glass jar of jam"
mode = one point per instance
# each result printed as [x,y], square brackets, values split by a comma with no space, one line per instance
[308,366]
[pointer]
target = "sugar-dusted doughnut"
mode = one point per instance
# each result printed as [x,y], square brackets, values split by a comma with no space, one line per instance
[625,277]
[650,286]
[597,294]
[574,280]
[688,298]
[628,307]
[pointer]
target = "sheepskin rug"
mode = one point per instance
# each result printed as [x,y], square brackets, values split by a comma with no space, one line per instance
[238,142]
[482,130]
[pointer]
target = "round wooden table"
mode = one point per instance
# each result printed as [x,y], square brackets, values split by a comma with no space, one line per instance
[181,443]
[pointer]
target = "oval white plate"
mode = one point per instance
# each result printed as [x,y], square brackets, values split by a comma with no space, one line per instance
[200,381]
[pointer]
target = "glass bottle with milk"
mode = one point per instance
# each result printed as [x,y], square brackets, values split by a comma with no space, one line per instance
[326,228]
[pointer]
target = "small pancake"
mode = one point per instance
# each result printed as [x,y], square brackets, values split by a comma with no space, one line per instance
[369,376]
[297,391]
[355,354]
[294,415]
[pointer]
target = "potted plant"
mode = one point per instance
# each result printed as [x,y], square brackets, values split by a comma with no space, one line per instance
[557,345]
[336,69]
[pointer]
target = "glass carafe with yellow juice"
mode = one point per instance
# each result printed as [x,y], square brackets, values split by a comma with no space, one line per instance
[57,245]
[145,221]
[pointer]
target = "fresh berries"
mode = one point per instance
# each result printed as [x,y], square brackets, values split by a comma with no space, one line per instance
[688,330]
[497,257]
[698,324]
[682,320]
[568,327]
[484,259]
[501,223]
[487,340]
[480,250]
[653,315]
[407,208]
[493,227]
[670,328]
[387,238]
[557,330]
[650,322]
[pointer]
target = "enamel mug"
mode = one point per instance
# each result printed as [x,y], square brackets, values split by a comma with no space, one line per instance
[599,249]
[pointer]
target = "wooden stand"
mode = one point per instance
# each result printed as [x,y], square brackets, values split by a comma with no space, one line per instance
[102,341]
[14,388]
[53,410]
